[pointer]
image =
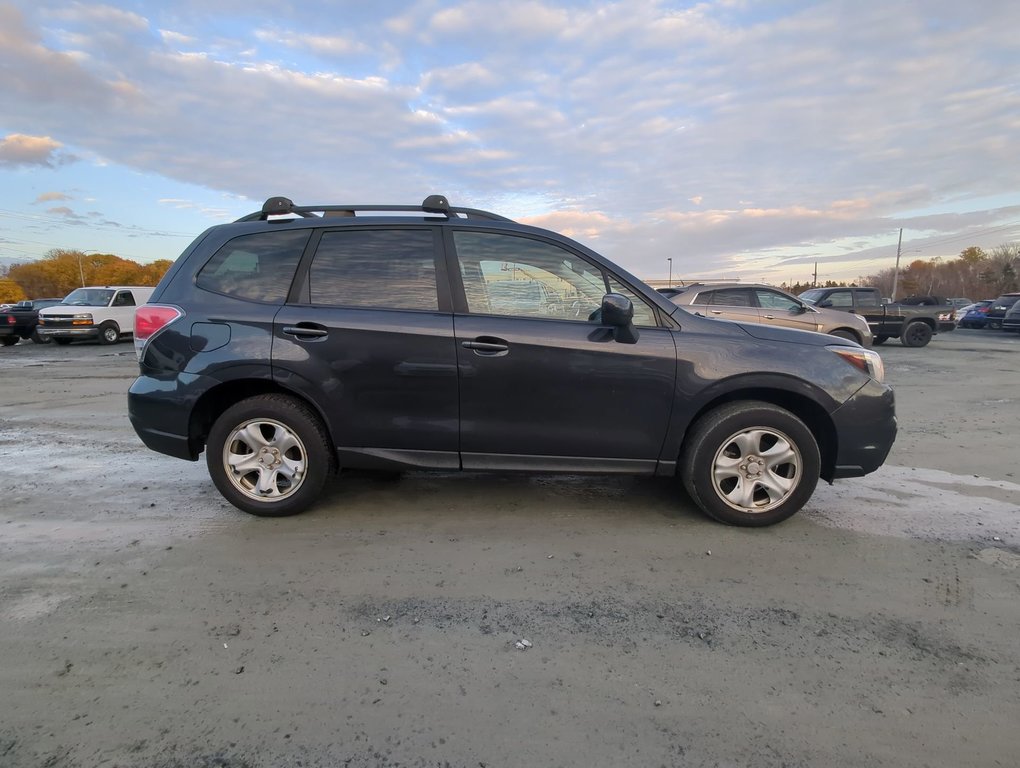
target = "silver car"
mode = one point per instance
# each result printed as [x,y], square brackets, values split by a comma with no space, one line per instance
[754,303]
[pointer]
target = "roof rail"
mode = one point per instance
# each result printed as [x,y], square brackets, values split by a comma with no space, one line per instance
[433,204]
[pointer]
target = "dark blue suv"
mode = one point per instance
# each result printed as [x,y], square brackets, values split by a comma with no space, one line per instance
[303,339]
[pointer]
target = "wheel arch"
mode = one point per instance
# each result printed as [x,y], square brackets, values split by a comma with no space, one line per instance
[217,399]
[801,404]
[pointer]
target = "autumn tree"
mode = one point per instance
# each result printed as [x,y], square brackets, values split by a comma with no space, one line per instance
[10,291]
[60,271]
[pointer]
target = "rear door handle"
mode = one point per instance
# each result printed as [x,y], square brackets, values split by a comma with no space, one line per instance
[486,346]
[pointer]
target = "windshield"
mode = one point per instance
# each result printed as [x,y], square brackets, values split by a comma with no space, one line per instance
[812,296]
[89,297]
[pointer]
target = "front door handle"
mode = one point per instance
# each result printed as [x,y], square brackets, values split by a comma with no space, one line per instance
[770,317]
[302,332]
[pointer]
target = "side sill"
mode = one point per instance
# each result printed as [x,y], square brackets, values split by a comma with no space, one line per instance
[396,458]
[575,464]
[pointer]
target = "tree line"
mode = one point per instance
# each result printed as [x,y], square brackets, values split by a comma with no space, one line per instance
[60,271]
[974,273]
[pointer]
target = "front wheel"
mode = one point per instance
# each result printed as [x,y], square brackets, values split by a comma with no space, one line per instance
[36,338]
[750,463]
[848,335]
[917,334]
[109,333]
[269,455]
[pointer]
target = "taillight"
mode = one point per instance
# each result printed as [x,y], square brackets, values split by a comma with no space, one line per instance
[150,319]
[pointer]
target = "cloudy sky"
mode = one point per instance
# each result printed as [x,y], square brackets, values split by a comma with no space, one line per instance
[740,138]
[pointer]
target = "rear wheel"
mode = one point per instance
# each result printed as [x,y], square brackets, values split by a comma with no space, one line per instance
[109,333]
[269,455]
[880,340]
[750,463]
[995,325]
[916,334]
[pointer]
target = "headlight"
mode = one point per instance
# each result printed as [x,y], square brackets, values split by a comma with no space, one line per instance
[81,319]
[864,360]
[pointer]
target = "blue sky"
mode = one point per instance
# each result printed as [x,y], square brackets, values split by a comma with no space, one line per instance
[741,139]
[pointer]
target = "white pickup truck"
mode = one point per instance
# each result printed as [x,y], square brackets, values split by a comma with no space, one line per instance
[105,312]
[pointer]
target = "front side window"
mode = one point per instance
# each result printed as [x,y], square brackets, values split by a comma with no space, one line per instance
[644,315]
[842,299]
[522,277]
[124,299]
[776,300]
[388,268]
[258,267]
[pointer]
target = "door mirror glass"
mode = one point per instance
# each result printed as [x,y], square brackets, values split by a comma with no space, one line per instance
[618,312]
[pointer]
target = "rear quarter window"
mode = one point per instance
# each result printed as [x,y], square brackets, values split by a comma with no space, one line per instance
[258,267]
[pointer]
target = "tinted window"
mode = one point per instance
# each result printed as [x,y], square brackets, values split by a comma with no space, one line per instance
[727,297]
[124,299]
[518,276]
[259,267]
[392,268]
[867,299]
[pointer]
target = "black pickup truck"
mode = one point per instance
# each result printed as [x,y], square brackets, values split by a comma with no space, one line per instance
[20,321]
[913,321]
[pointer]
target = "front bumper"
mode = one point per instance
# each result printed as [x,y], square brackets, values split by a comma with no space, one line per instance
[865,429]
[78,332]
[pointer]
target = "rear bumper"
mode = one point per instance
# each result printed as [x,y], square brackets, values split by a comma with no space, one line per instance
[866,429]
[160,411]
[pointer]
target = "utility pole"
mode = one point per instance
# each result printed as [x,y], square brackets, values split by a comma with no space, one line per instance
[670,283]
[814,281]
[896,273]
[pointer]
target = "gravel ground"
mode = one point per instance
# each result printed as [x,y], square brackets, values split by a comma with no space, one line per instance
[146,623]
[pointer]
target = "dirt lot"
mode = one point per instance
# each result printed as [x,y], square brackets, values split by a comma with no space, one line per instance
[143,622]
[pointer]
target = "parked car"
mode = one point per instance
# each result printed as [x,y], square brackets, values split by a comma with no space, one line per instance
[297,340]
[959,303]
[19,321]
[754,303]
[1011,320]
[915,320]
[975,315]
[997,311]
[102,312]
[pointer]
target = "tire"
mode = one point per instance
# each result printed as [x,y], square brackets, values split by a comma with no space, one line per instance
[37,339]
[62,342]
[879,340]
[995,325]
[109,333]
[273,440]
[916,334]
[9,341]
[848,335]
[722,481]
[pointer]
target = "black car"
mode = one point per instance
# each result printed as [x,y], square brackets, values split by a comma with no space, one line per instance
[997,311]
[299,340]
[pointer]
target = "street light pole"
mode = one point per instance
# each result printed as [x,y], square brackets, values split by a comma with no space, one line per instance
[670,283]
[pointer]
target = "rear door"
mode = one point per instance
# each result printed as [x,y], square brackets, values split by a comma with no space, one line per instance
[727,304]
[542,384]
[368,335]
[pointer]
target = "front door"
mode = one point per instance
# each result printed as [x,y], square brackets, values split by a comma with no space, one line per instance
[542,383]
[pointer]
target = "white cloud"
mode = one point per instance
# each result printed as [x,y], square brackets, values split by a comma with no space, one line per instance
[17,149]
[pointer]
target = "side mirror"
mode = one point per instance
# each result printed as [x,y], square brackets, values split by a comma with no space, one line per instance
[618,312]
[799,309]
[824,304]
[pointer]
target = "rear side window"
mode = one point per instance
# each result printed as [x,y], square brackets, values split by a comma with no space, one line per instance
[389,268]
[727,297]
[258,267]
